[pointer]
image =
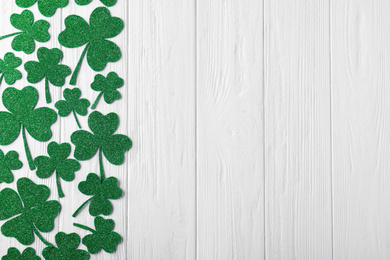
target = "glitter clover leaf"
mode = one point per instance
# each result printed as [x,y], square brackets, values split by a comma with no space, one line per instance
[30,210]
[73,103]
[14,254]
[108,3]
[102,140]
[8,69]
[57,162]
[46,7]
[47,68]
[102,238]
[67,248]
[107,87]
[9,162]
[22,116]
[30,32]
[99,50]
[102,192]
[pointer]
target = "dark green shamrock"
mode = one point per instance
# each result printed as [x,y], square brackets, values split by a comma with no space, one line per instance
[108,3]
[7,163]
[29,31]
[67,248]
[102,192]
[100,51]
[8,69]
[102,238]
[72,103]
[46,7]
[23,116]
[14,254]
[31,212]
[58,162]
[107,87]
[47,68]
[101,139]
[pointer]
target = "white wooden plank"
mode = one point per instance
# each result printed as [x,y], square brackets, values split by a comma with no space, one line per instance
[230,130]
[297,130]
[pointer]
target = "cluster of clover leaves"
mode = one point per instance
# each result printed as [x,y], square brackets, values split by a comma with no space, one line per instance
[27,210]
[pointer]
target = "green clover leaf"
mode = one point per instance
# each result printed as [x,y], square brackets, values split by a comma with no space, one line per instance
[102,139]
[22,116]
[99,50]
[14,254]
[102,192]
[8,69]
[73,103]
[102,238]
[107,87]
[67,248]
[47,68]
[108,3]
[30,31]
[7,163]
[46,7]
[57,161]
[30,211]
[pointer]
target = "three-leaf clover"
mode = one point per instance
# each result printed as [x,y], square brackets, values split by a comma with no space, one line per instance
[102,238]
[72,103]
[8,69]
[107,87]
[102,192]
[108,3]
[29,31]
[57,161]
[47,68]
[46,7]
[14,254]
[9,162]
[31,212]
[99,51]
[67,248]
[22,116]
[102,139]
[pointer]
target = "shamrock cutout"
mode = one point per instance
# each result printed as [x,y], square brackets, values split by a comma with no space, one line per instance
[67,248]
[102,238]
[46,7]
[7,163]
[72,103]
[108,3]
[58,162]
[102,192]
[107,87]
[29,31]
[14,254]
[8,69]
[31,212]
[47,68]
[100,51]
[102,139]
[22,116]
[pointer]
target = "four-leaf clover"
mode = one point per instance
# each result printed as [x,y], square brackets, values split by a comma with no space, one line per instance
[29,31]
[9,162]
[8,69]
[99,51]
[108,3]
[102,192]
[14,254]
[73,103]
[67,248]
[58,162]
[23,116]
[102,238]
[46,7]
[47,68]
[107,87]
[31,212]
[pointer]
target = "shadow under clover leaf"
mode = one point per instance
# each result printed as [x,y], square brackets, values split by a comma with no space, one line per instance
[8,69]
[14,254]
[7,163]
[46,7]
[67,245]
[30,212]
[108,3]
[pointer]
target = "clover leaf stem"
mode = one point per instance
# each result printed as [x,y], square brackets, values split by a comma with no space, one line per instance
[77,69]
[75,117]
[102,174]
[84,227]
[27,150]
[81,207]
[97,100]
[47,91]
[60,192]
[1,78]
[10,35]
[41,237]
